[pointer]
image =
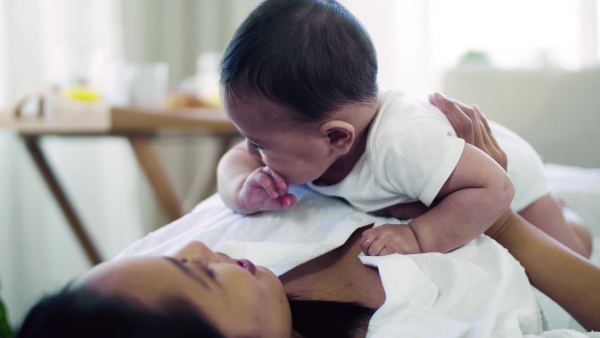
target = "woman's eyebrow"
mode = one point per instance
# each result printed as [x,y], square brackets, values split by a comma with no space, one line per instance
[186,270]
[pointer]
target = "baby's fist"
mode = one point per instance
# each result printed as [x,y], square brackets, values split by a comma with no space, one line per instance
[388,239]
[265,190]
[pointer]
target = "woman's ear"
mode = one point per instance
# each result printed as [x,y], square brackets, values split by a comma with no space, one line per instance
[339,134]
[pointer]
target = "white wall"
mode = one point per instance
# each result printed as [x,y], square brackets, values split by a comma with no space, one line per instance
[557,111]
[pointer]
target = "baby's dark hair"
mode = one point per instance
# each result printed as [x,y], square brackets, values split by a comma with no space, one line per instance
[311,56]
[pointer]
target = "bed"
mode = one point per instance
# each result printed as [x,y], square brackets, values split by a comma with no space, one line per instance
[283,240]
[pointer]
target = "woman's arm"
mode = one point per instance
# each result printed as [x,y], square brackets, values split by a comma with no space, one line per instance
[567,278]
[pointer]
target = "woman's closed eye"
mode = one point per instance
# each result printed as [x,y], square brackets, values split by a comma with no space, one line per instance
[183,266]
[209,271]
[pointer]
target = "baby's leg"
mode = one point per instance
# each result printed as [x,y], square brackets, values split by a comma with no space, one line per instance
[582,230]
[546,214]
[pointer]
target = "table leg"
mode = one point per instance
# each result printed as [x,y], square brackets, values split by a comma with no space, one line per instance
[142,147]
[33,147]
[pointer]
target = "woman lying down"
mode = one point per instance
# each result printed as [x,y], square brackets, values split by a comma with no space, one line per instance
[326,287]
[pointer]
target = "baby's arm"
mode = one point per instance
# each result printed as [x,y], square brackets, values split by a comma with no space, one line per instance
[477,192]
[246,185]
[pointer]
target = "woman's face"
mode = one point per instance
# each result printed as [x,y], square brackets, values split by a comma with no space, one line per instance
[237,297]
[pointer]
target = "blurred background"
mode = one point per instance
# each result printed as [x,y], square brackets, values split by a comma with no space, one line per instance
[530,65]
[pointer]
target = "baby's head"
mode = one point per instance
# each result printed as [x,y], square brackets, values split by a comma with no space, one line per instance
[292,67]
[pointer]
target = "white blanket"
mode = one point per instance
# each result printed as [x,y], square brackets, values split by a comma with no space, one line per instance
[476,291]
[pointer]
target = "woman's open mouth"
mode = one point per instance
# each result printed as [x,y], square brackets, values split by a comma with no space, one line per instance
[246,264]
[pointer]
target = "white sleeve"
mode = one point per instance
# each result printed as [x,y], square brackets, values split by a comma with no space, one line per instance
[417,158]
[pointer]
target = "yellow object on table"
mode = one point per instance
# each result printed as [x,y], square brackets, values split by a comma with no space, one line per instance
[82,93]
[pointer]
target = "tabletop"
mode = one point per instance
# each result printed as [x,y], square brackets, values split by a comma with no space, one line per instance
[60,116]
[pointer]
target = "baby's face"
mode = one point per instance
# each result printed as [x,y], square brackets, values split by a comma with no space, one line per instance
[294,150]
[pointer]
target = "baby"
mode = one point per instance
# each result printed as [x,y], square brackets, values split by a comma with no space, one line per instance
[298,79]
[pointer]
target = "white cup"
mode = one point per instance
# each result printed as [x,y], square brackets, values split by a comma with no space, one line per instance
[139,85]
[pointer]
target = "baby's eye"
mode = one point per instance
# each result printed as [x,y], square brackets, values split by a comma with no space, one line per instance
[255,146]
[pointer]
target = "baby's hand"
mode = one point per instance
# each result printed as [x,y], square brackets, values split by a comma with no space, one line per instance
[265,190]
[388,239]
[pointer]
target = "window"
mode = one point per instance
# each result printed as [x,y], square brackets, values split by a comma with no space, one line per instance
[514,33]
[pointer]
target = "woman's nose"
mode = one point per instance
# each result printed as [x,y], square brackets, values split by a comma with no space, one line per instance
[196,250]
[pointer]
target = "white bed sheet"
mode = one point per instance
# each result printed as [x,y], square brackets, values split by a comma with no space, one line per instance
[283,240]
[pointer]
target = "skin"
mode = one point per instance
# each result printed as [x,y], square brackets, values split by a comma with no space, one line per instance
[256,303]
[546,214]
[255,176]
[252,299]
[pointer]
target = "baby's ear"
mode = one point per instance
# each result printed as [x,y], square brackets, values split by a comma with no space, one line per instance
[340,135]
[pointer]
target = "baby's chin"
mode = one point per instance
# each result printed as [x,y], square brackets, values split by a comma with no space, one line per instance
[315,179]
[300,182]
[297,181]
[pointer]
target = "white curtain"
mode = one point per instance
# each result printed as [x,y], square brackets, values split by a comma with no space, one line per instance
[37,251]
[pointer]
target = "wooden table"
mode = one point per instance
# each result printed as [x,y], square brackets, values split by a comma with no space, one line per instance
[63,117]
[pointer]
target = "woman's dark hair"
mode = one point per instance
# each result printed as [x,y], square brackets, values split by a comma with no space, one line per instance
[77,313]
[323,318]
[311,56]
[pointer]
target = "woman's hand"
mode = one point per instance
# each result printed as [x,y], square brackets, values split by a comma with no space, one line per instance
[470,125]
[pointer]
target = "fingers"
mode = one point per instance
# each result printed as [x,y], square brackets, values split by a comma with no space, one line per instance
[369,244]
[272,182]
[266,182]
[478,128]
[485,126]
[458,119]
[492,147]
[289,201]
[471,125]
[265,190]
[281,185]
[388,239]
